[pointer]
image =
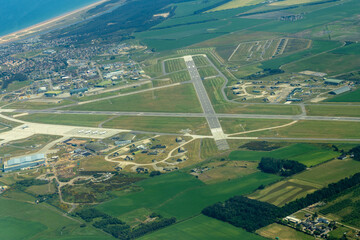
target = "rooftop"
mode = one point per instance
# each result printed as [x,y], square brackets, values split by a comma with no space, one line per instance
[25,159]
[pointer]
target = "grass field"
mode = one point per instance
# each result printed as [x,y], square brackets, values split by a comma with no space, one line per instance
[337,111]
[213,87]
[165,194]
[174,65]
[306,153]
[207,72]
[200,61]
[282,232]
[353,96]
[22,220]
[36,105]
[66,119]
[6,125]
[315,129]
[152,101]
[160,124]
[201,227]
[231,125]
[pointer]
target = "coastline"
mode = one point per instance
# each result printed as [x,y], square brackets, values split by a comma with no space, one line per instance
[48,24]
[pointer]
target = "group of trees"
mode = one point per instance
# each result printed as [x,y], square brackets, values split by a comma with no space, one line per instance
[252,214]
[244,212]
[356,152]
[16,77]
[120,229]
[280,166]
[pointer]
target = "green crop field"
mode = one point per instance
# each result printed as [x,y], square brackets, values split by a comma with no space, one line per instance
[306,153]
[336,111]
[165,194]
[286,191]
[174,65]
[201,227]
[22,220]
[152,101]
[67,119]
[315,129]
[329,172]
[353,96]
[160,124]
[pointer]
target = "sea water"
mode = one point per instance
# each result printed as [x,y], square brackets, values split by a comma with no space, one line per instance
[19,14]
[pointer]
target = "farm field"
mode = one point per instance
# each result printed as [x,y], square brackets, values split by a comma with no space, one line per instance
[282,232]
[66,119]
[306,153]
[166,193]
[292,2]
[315,129]
[152,101]
[336,111]
[236,4]
[353,96]
[285,191]
[201,227]
[174,65]
[22,220]
[160,124]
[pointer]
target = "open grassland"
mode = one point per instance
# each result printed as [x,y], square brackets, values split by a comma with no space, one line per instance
[6,124]
[308,154]
[353,96]
[317,46]
[285,191]
[336,111]
[330,172]
[114,93]
[318,17]
[329,63]
[160,124]
[66,119]
[97,163]
[315,129]
[181,195]
[174,77]
[201,227]
[36,105]
[174,65]
[213,87]
[23,220]
[282,232]
[152,101]
[236,4]
[226,170]
[233,125]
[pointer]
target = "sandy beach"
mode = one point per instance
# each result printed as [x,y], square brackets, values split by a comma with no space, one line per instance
[47,25]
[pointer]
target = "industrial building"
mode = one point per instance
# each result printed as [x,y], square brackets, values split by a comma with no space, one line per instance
[333,81]
[24,162]
[340,90]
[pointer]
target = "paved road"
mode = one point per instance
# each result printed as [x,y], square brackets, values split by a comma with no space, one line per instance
[218,115]
[206,105]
